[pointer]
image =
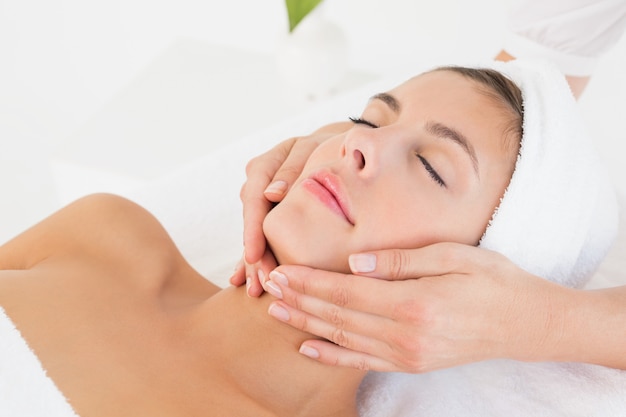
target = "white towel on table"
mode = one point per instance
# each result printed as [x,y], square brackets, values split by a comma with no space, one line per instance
[25,389]
[502,388]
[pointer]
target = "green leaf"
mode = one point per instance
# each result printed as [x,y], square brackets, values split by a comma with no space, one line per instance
[298,9]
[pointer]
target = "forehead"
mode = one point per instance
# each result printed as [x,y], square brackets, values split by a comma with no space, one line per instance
[453,97]
[456,101]
[438,83]
[446,97]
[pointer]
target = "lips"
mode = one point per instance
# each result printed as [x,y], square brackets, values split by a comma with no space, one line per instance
[327,188]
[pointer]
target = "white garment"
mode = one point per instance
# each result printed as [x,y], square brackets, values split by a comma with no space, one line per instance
[573,34]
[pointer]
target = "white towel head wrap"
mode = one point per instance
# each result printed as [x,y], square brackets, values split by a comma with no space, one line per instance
[558,216]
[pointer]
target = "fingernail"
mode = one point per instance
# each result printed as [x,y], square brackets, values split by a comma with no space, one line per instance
[278,312]
[248,283]
[279,277]
[277,187]
[362,262]
[261,275]
[309,351]
[274,289]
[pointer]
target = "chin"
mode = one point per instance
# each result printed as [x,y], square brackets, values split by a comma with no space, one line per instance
[293,240]
[298,252]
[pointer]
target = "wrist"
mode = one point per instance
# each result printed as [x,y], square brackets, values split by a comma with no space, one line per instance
[564,311]
[541,322]
[576,325]
[596,328]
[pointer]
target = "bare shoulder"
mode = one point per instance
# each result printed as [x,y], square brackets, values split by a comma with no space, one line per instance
[96,226]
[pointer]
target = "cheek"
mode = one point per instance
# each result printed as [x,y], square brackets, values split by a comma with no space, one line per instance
[278,233]
[414,223]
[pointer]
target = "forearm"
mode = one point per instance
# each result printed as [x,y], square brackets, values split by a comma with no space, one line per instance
[576,84]
[596,323]
[580,326]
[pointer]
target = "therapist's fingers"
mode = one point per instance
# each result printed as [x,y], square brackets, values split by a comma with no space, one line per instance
[259,173]
[348,328]
[389,341]
[291,168]
[434,260]
[364,337]
[340,347]
[238,277]
[341,290]
[345,328]
[294,159]
[254,284]
[257,274]
[255,208]
[254,275]
[334,355]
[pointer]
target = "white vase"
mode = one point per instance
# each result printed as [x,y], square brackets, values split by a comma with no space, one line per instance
[313,58]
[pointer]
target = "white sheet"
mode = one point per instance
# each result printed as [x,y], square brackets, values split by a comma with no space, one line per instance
[25,389]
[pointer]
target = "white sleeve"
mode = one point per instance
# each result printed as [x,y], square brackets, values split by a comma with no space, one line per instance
[571,33]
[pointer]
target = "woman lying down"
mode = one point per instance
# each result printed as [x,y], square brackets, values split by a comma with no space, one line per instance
[123,326]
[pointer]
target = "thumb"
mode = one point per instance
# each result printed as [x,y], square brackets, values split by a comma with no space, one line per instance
[294,158]
[400,264]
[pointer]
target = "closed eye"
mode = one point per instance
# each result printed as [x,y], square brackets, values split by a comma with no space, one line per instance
[360,121]
[431,171]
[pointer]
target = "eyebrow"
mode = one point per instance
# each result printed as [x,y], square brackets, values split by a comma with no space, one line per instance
[388,99]
[436,129]
[443,131]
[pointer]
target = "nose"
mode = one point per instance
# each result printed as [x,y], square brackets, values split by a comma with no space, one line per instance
[359,159]
[365,151]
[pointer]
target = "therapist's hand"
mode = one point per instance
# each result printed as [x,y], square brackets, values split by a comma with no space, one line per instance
[269,177]
[420,310]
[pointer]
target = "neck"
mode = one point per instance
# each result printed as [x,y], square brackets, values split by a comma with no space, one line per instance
[268,367]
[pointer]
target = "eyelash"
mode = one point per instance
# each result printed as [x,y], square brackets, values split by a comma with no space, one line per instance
[360,121]
[431,171]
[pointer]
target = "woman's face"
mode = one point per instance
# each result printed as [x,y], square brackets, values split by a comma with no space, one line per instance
[425,163]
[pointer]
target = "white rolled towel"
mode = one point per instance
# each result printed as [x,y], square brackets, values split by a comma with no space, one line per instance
[558,216]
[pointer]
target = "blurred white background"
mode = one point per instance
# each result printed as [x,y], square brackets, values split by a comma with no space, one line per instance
[62,61]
